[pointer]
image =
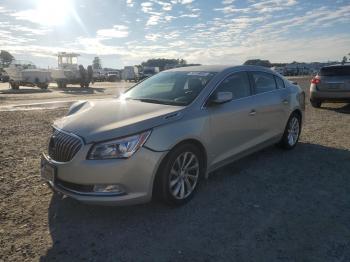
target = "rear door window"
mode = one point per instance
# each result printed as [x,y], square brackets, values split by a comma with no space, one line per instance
[264,82]
[279,82]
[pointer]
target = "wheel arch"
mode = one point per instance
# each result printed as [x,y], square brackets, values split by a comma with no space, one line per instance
[199,145]
[191,141]
[300,114]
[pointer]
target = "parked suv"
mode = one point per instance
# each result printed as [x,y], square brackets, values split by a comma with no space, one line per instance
[165,134]
[332,84]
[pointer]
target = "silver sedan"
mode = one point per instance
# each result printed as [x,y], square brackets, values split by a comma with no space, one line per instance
[164,135]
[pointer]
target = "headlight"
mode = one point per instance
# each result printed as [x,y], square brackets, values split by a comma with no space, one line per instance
[120,148]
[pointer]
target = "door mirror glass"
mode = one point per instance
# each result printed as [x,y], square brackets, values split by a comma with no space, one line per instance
[221,97]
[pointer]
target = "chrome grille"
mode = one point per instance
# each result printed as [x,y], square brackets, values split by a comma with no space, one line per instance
[63,146]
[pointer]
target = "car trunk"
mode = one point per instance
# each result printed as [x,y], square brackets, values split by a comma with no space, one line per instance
[335,78]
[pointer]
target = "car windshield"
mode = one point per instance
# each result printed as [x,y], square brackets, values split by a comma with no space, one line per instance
[335,71]
[172,88]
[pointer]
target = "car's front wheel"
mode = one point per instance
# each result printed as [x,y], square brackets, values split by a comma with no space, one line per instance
[292,132]
[179,175]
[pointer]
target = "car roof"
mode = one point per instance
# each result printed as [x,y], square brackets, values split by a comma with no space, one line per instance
[218,68]
[337,65]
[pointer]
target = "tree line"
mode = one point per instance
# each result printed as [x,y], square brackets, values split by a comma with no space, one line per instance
[5,58]
[163,63]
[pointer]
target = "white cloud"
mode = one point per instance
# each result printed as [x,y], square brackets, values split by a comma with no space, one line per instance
[172,35]
[190,15]
[166,6]
[130,3]
[169,18]
[180,43]
[267,6]
[263,29]
[147,7]
[153,37]
[118,31]
[185,2]
[30,15]
[232,9]
[4,10]
[153,20]
[31,30]
[227,2]
[182,2]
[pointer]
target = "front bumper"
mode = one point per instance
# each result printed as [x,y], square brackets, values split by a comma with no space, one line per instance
[134,176]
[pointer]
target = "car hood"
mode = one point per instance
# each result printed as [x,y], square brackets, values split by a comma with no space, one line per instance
[113,118]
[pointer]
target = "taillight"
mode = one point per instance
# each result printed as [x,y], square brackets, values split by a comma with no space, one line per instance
[315,80]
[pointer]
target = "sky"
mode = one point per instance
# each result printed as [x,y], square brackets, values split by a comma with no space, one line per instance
[127,32]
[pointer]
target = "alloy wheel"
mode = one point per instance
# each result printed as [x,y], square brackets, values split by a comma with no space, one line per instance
[184,175]
[293,131]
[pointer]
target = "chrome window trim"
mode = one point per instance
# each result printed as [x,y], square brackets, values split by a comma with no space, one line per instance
[203,106]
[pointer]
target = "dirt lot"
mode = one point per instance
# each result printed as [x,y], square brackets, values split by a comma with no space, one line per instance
[271,206]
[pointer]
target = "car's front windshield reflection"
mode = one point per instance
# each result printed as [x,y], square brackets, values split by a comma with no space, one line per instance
[173,88]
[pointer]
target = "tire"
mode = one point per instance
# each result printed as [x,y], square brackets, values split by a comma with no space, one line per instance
[14,85]
[316,103]
[43,86]
[173,186]
[292,132]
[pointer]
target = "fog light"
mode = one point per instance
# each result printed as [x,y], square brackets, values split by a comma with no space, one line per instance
[108,189]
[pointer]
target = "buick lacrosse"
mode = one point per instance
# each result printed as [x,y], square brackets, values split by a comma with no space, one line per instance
[164,135]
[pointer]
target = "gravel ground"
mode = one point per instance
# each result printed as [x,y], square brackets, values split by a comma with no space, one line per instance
[271,206]
[27,95]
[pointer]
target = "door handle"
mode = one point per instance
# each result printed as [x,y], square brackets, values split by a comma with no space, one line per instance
[252,113]
[285,101]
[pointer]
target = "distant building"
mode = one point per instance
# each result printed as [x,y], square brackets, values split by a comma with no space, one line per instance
[279,69]
[295,69]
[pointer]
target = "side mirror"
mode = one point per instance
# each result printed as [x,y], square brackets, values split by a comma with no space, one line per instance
[221,97]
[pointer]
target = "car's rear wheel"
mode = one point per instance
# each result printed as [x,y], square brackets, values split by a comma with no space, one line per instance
[14,85]
[43,85]
[291,133]
[179,175]
[316,103]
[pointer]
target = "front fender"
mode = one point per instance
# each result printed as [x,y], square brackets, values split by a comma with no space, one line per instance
[166,137]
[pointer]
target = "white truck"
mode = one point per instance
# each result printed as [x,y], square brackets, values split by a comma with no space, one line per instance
[68,71]
[25,73]
[131,73]
[149,71]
